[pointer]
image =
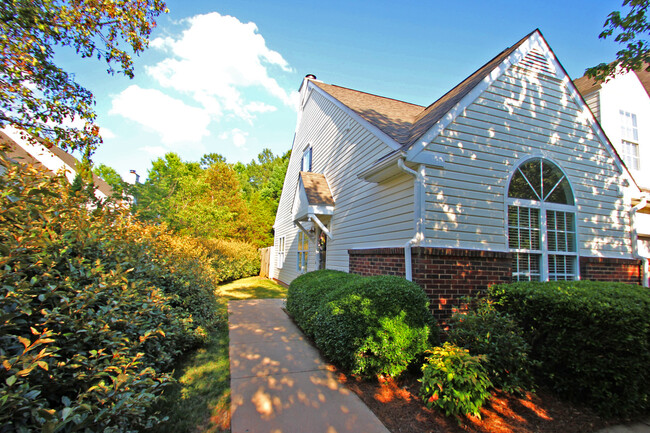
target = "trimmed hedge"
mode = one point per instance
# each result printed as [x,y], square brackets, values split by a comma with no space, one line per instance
[366,325]
[95,307]
[592,339]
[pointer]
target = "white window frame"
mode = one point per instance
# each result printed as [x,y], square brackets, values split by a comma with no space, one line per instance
[630,140]
[543,207]
[302,258]
[280,251]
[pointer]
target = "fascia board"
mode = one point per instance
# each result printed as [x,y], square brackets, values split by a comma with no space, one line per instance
[451,115]
[385,138]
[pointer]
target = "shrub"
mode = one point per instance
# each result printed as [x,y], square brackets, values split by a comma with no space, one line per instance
[94,305]
[454,381]
[592,339]
[366,325]
[485,331]
[232,260]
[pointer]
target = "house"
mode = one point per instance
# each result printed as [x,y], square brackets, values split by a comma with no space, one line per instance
[53,159]
[622,107]
[506,177]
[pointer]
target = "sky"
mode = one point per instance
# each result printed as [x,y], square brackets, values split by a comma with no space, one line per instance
[223,76]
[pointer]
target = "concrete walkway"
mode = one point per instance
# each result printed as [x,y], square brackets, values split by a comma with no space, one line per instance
[280,384]
[641,427]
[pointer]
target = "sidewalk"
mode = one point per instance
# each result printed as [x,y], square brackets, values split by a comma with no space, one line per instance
[279,382]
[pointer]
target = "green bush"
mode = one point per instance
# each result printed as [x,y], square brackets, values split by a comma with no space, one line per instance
[366,325]
[485,331]
[95,307]
[454,381]
[592,339]
[232,260]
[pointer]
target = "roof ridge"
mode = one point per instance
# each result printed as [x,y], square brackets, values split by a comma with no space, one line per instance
[373,94]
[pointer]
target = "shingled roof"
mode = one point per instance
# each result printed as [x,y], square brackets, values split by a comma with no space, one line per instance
[405,122]
[587,85]
[317,190]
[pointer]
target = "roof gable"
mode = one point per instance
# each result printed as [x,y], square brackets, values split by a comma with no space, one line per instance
[587,85]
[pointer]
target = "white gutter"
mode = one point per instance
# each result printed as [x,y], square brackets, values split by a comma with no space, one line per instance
[418,210]
[635,237]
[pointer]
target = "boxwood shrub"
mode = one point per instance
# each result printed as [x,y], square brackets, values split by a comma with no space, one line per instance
[366,325]
[94,308]
[591,338]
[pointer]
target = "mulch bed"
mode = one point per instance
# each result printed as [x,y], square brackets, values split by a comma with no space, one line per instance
[397,404]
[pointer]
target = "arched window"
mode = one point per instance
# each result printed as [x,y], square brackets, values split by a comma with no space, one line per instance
[542,223]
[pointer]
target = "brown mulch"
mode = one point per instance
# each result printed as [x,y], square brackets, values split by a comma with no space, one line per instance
[397,404]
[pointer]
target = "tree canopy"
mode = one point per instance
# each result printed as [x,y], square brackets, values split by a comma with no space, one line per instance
[37,95]
[632,31]
[211,198]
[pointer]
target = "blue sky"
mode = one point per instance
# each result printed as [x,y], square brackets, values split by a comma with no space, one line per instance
[222,76]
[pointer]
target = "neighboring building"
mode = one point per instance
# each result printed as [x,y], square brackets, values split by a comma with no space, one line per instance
[53,159]
[622,106]
[506,177]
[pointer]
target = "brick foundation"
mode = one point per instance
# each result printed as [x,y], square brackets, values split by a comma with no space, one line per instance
[615,270]
[447,274]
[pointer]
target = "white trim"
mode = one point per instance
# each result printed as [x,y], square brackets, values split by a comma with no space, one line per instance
[385,138]
[543,207]
[318,222]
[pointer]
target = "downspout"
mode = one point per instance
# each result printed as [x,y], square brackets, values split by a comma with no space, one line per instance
[635,238]
[418,209]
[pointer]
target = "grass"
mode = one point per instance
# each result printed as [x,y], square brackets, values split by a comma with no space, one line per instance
[251,288]
[200,400]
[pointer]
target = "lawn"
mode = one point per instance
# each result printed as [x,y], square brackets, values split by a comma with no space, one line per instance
[200,401]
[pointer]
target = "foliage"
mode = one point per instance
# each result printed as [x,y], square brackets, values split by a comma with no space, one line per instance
[95,307]
[113,179]
[632,30]
[214,199]
[591,338]
[454,381]
[36,94]
[485,331]
[231,260]
[367,325]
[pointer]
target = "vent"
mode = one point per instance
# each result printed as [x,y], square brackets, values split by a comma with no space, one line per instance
[535,60]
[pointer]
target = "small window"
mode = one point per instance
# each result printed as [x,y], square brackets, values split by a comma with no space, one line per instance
[630,154]
[303,252]
[280,249]
[306,160]
[629,140]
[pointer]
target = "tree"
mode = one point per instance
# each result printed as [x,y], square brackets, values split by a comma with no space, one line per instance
[631,30]
[111,177]
[39,97]
[210,158]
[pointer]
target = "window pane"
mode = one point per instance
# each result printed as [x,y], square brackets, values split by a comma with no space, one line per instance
[525,267]
[527,175]
[561,268]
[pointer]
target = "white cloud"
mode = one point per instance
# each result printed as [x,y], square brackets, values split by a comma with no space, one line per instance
[215,59]
[175,121]
[156,151]
[106,133]
[237,136]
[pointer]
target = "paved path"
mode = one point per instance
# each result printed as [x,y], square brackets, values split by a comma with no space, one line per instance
[280,384]
[641,427]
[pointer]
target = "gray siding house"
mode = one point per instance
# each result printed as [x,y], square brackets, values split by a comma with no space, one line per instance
[506,177]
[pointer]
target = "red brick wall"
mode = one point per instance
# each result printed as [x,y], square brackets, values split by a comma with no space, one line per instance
[445,274]
[617,270]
